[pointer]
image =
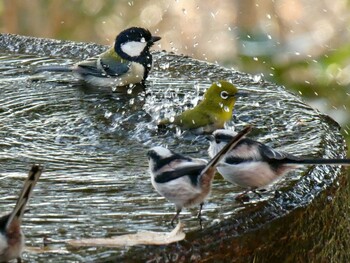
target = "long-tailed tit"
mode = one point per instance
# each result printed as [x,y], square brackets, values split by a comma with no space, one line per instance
[182,180]
[252,164]
[11,235]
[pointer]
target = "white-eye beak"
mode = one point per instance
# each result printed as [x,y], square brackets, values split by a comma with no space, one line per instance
[242,94]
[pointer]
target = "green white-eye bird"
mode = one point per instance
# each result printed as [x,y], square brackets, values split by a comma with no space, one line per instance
[127,62]
[211,113]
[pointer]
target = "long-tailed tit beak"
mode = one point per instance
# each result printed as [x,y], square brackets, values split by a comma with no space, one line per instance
[210,138]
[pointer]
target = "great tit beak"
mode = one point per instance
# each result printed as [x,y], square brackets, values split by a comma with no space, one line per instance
[155,39]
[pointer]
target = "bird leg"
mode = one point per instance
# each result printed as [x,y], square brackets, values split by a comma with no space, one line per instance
[199,215]
[257,193]
[178,211]
[200,210]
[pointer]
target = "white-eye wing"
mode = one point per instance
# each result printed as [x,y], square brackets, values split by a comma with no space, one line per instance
[228,147]
[107,64]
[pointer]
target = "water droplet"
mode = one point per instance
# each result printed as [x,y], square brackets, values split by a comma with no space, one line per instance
[172,119]
[108,114]
[195,44]
[184,11]
[257,78]
[143,40]
[268,16]
[164,65]
[227,109]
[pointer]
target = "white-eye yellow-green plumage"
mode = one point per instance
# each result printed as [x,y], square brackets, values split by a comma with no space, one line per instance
[211,113]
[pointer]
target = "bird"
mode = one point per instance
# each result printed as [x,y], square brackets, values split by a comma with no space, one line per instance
[127,62]
[253,165]
[11,235]
[183,180]
[211,113]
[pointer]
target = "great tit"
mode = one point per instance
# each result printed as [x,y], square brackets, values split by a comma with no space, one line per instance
[211,113]
[253,165]
[11,235]
[182,180]
[128,62]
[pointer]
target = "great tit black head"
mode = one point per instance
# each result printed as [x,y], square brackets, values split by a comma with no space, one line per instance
[134,42]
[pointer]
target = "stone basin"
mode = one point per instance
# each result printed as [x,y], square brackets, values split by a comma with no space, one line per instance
[93,145]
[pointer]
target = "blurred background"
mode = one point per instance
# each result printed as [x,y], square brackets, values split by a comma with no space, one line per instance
[301,44]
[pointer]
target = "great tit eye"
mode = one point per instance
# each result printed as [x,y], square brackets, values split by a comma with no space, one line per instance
[224,95]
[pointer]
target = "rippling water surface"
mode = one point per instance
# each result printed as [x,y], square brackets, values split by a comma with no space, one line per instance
[93,146]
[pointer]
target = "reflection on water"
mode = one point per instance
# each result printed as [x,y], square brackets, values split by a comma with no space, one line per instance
[93,146]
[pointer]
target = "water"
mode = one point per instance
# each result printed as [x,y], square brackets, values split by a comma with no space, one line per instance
[93,146]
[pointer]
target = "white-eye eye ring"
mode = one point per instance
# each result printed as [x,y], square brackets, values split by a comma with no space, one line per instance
[224,95]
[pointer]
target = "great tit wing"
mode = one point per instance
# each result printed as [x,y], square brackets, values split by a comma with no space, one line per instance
[89,67]
[107,64]
[112,64]
[192,172]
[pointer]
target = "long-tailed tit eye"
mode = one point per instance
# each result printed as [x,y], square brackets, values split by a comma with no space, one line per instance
[224,95]
[217,140]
